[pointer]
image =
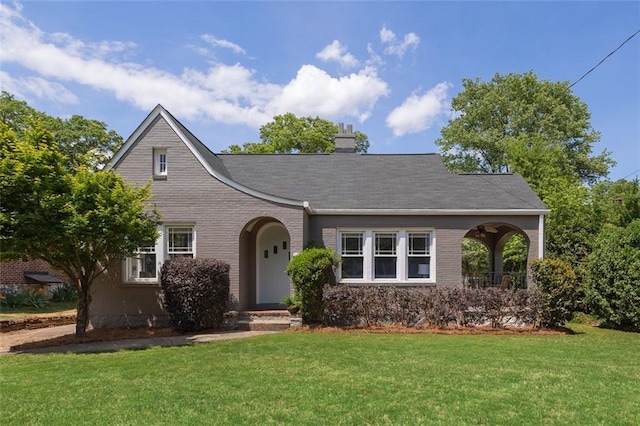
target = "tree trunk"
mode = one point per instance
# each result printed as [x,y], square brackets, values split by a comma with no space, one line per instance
[82,317]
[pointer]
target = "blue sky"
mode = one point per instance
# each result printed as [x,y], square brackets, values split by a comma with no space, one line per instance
[390,68]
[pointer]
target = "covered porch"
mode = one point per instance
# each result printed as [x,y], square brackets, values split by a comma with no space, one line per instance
[496,254]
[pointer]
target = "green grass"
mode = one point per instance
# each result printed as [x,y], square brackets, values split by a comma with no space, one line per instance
[27,311]
[592,377]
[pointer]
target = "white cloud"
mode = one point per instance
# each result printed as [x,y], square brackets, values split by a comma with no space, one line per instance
[28,87]
[231,94]
[338,53]
[217,42]
[418,113]
[314,92]
[395,47]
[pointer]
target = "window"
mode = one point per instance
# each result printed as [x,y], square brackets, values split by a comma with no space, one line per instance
[381,255]
[142,266]
[385,255]
[173,241]
[352,255]
[418,255]
[180,242]
[160,162]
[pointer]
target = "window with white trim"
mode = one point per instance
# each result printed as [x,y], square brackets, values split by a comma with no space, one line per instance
[180,242]
[142,266]
[387,255]
[159,161]
[173,241]
[418,255]
[352,255]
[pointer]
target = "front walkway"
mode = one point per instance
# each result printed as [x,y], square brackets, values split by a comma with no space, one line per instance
[7,340]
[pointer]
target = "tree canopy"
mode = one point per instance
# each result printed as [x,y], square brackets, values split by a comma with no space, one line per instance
[78,220]
[290,134]
[518,123]
[82,141]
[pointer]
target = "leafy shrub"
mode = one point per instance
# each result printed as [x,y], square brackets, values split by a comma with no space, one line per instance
[437,306]
[559,289]
[64,293]
[292,303]
[28,298]
[614,276]
[195,292]
[309,272]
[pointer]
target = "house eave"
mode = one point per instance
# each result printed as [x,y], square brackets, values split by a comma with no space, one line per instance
[426,212]
[160,111]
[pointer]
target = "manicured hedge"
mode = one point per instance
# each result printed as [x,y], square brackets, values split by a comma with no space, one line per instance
[435,306]
[195,292]
[310,271]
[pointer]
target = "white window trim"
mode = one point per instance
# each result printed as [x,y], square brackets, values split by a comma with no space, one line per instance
[157,155]
[402,267]
[162,252]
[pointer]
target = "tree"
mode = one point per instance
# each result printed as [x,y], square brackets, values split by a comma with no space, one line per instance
[518,123]
[614,275]
[79,221]
[84,142]
[290,134]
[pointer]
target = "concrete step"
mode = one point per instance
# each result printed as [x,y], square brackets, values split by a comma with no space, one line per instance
[263,324]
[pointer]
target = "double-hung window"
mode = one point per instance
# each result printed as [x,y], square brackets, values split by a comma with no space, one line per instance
[352,253]
[142,266]
[386,255]
[418,256]
[180,242]
[173,241]
[401,256]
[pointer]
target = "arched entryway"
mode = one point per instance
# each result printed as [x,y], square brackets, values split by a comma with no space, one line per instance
[272,256]
[507,254]
[265,247]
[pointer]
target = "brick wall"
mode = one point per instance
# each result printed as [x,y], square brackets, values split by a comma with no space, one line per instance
[12,272]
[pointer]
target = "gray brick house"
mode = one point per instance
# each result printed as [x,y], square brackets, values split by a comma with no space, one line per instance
[394,219]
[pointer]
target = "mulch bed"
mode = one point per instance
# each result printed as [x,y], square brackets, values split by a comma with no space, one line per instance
[399,329]
[33,323]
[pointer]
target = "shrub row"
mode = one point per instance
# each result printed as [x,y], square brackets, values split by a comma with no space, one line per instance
[436,306]
[195,292]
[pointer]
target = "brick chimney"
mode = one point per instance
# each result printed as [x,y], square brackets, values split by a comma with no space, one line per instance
[345,141]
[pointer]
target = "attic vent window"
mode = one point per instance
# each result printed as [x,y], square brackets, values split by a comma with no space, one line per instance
[160,162]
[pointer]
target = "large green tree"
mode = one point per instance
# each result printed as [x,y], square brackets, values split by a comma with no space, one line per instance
[79,221]
[84,142]
[519,123]
[288,133]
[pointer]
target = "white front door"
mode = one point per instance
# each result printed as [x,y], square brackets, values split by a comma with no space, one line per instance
[272,284]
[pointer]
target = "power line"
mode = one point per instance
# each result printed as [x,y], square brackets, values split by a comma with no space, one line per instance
[604,59]
[635,171]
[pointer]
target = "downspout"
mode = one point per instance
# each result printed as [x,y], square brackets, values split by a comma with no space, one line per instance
[541,236]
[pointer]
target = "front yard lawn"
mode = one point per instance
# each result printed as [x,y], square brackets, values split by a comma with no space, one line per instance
[591,377]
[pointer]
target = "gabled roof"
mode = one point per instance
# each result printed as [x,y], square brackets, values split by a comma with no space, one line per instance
[212,164]
[378,182]
[355,183]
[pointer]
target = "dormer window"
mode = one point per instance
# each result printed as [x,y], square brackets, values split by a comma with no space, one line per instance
[160,162]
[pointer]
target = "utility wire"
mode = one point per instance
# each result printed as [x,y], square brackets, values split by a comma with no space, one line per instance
[635,171]
[604,59]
